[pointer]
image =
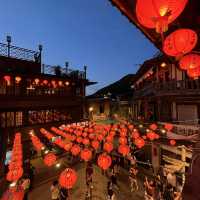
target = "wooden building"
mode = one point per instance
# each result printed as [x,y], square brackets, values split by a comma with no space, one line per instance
[34,95]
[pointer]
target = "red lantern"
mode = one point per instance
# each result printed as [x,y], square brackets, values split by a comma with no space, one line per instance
[135,135]
[75,150]
[7,79]
[168,127]
[45,82]
[124,150]
[104,161]
[108,147]
[189,61]
[100,137]
[95,144]
[86,154]
[109,138]
[153,127]
[180,42]
[139,142]
[68,146]
[15,174]
[172,142]
[122,140]
[194,73]
[18,79]
[79,139]
[86,141]
[68,178]
[158,13]
[50,159]
[151,135]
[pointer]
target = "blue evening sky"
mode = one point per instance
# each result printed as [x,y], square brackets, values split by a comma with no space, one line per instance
[83,32]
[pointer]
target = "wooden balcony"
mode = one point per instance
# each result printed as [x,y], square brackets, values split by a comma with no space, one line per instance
[173,87]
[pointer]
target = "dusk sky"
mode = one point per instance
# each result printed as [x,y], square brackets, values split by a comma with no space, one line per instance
[82,32]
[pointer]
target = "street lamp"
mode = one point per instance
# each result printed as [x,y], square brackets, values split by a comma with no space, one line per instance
[91,109]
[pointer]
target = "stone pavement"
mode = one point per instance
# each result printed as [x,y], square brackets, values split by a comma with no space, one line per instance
[42,191]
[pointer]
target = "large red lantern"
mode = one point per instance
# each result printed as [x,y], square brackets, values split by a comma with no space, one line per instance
[86,141]
[15,174]
[139,142]
[50,159]
[135,135]
[172,142]
[151,135]
[104,161]
[168,126]
[67,146]
[108,147]
[122,140]
[124,150]
[158,13]
[68,178]
[190,61]
[86,154]
[75,150]
[180,42]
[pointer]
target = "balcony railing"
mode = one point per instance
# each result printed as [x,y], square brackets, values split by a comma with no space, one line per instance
[172,86]
[63,72]
[19,53]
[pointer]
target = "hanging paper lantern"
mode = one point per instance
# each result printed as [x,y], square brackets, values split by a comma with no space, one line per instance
[180,42]
[158,13]
[194,73]
[124,150]
[172,142]
[135,135]
[68,178]
[86,141]
[122,140]
[50,159]
[86,154]
[75,150]
[15,174]
[100,137]
[67,146]
[153,127]
[95,144]
[79,139]
[60,83]
[104,161]
[151,135]
[45,82]
[168,127]
[18,79]
[190,61]
[7,79]
[109,138]
[139,142]
[108,147]
[84,134]
[130,127]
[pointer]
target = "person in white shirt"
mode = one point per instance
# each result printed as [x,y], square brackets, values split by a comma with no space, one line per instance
[55,191]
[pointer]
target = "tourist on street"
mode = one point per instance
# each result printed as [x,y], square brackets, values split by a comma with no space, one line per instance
[168,193]
[55,192]
[133,179]
[26,185]
[159,188]
[63,194]
[149,189]
[114,181]
[111,195]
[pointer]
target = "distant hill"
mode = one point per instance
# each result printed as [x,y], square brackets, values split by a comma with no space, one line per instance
[120,87]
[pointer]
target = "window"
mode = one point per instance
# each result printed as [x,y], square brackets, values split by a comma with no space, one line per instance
[18,118]
[3,120]
[101,108]
[10,119]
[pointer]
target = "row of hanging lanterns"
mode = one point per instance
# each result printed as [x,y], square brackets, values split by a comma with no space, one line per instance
[38,145]
[158,14]
[16,164]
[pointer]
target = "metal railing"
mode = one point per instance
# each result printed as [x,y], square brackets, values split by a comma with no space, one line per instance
[65,72]
[169,86]
[19,53]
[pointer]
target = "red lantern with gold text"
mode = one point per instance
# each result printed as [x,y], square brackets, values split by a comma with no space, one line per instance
[124,150]
[50,159]
[158,13]
[180,42]
[108,147]
[68,178]
[75,150]
[139,142]
[86,154]
[168,127]
[172,142]
[189,61]
[104,161]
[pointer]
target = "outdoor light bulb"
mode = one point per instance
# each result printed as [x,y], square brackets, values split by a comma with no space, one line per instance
[140,125]
[91,109]
[147,130]
[46,152]
[58,165]
[31,132]
[163,131]
[13,184]
[163,64]
[43,148]
[134,130]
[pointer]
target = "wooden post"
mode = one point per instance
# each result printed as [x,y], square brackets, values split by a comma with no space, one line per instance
[183,158]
